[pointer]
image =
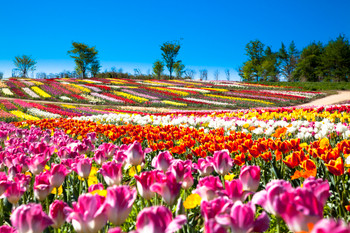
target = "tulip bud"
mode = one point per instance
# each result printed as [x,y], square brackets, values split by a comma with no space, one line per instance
[57,214]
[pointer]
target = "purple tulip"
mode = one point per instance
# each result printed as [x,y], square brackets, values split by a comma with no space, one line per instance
[209,188]
[30,218]
[250,177]
[119,203]
[162,161]
[88,215]
[58,173]
[135,155]
[242,219]
[222,162]
[112,173]
[158,219]
[205,166]
[168,188]
[57,214]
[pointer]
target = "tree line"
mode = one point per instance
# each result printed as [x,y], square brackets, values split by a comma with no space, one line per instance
[314,63]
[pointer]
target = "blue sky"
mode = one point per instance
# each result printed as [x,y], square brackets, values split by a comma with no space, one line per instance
[128,34]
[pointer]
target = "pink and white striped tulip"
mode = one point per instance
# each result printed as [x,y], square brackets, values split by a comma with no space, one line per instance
[168,188]
[118,203]
[37,163]
[30,218]
[14,192]
[135,155]
[162,161]
[205,166]
[330,226]
[42,186]
[250,178]
[112,173]
[144,182]
[57,213]
[222,162]
[83,167]
[58,173]
[208,188]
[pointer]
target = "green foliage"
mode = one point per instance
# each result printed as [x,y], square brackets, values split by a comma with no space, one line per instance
[158,68]
[24,64]
[170,50]
[179,69]
[85,59]
[288,60]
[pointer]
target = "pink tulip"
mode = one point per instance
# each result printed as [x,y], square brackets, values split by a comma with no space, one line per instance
[115,230]
[169,188]
[242,219]
[83,167]
[91,137]
[330,226]
[7,229]
[319,187]
[144,182]
[42,186]
[179,168]
[135,155]
[14,192]
[58,173]
[30,218]
[37,163]
[211,226]
[234,190]
[100,157]
[158,219]
[209,188]
[119,203]
[222,162]
[112,173]
[210,209]
[187,180]
[205,166]
[270,198]
[4,183]
[250,177]
[162,161]
[41,148]
[23,180]
[88,215]
[94,187]
[109,149]
[57,214]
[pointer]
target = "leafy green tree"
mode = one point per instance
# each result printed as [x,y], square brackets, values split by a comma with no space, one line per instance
[24,64]
[336,60]
[84,57]
[179,69]
[1,75]
[95,68]
[268,70]
[158,68]
[309,67]
[288,60]
[169,54]
[255,53]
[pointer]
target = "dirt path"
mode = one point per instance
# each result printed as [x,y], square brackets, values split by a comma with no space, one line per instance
[329,100]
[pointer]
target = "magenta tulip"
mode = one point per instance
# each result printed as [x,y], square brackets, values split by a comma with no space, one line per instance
[330,226]
[179,168]
[57,215]
[42,186]
[100,157]
[169,188]
[109,149]
[210,209]
[88,215]
[187,181]
[222,162]
[58,173]
[14,192]
[234,190]
[158,219]
[135,155]
[83,167]
[112,173]
[4,183]
[115,230]
[119,203]
[37,164]
[162,161]
[242,219]
[30,218]
[250,177]
[209,188]
[7,229]
[144,182]
[205,166]
[94,187]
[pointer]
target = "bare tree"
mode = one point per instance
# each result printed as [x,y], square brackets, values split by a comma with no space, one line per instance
[190,73]
[203,74]
[216,75]
[227,72]
[137,72]
[41,75]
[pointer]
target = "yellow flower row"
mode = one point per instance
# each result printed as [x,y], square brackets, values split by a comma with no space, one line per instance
[37,82]
[41,92]
[236,98]
[68,106]
[159,83]
[83,89]
[129,96]
[215,89]
[173,103]
[182,93]
[24,116]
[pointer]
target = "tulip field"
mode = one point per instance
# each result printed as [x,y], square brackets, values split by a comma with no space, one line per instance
[247,166]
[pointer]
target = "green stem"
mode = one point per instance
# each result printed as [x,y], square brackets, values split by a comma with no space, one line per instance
[1,212]
[278,225]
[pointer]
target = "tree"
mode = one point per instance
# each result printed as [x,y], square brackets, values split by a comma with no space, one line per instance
[255,52]
[216,75]
[84,57]
[268,70]
[179,69]
[170,52]
[190,73]
[158,68]
[227,72]
[41,75]
[95,68]
[24,64]
[309,67]
[1,75]
[203,74]
[288,60]
[336,60]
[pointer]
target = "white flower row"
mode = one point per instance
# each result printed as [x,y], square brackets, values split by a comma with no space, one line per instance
[93,99]
[30,92]
[105,97]
[209,101]
[7,91]
[42,114]
[191,89]
[65,98]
